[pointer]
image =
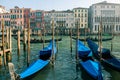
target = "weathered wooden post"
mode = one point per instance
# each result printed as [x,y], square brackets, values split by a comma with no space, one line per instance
[99,35]
[53,55]
[85,36]
[7,45]
[0,59]
[12,71]
[28,49]
[24,39]
[57,39]
[77,42]
[112,39]
[43,35]
[76,56]
[101,40]
[10,44]
[71,40]
[4,54]
[18,43]
[7,38]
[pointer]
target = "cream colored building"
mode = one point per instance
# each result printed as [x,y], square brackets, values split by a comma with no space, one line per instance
[108,14]
[81,15]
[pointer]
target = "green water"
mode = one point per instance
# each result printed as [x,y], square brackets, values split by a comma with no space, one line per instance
[65,65]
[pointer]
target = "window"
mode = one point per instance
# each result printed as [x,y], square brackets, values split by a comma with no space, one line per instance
[95,27]
[20,11]
[78,15]
[20,16]
[11,11]
[85,15]
[116,27]
[17,11]
[81,25]
[82,15]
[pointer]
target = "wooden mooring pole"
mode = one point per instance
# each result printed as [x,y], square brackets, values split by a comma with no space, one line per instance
[28,49]
[4,54]
[57,40]
[71,40]
[77,42]
[85,36]
[7,38]
[53,55]
[7,46]
[100,40]
[112,39]
[98,35]
[43,35]
[24,39]
[18,43]
[0,59]
[76,56]
[10,44]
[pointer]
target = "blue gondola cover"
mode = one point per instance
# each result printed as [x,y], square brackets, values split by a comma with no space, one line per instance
[34,67]
[83,51]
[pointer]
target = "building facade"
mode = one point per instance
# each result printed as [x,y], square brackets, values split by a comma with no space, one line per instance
[108,14]
[19,17]
[4,14]
[6,19]
[62,19]
[81,15]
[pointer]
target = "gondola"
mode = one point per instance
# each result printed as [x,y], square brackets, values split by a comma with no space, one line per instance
[94,39]
[47,51]
[39,40]
[107,58]
[88,64]
[39,64]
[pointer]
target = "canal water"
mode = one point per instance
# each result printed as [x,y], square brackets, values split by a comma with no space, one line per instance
[65,63]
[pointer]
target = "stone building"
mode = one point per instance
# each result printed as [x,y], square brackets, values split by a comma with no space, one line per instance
[63,20]
[108,14]
[81,15]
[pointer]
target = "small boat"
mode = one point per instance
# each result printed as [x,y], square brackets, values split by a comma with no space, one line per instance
[83,52]
[93,69]
[94,39]
[106,58]
[88,64]
[47,51]
[37,65]
[33,68]
[39,40]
